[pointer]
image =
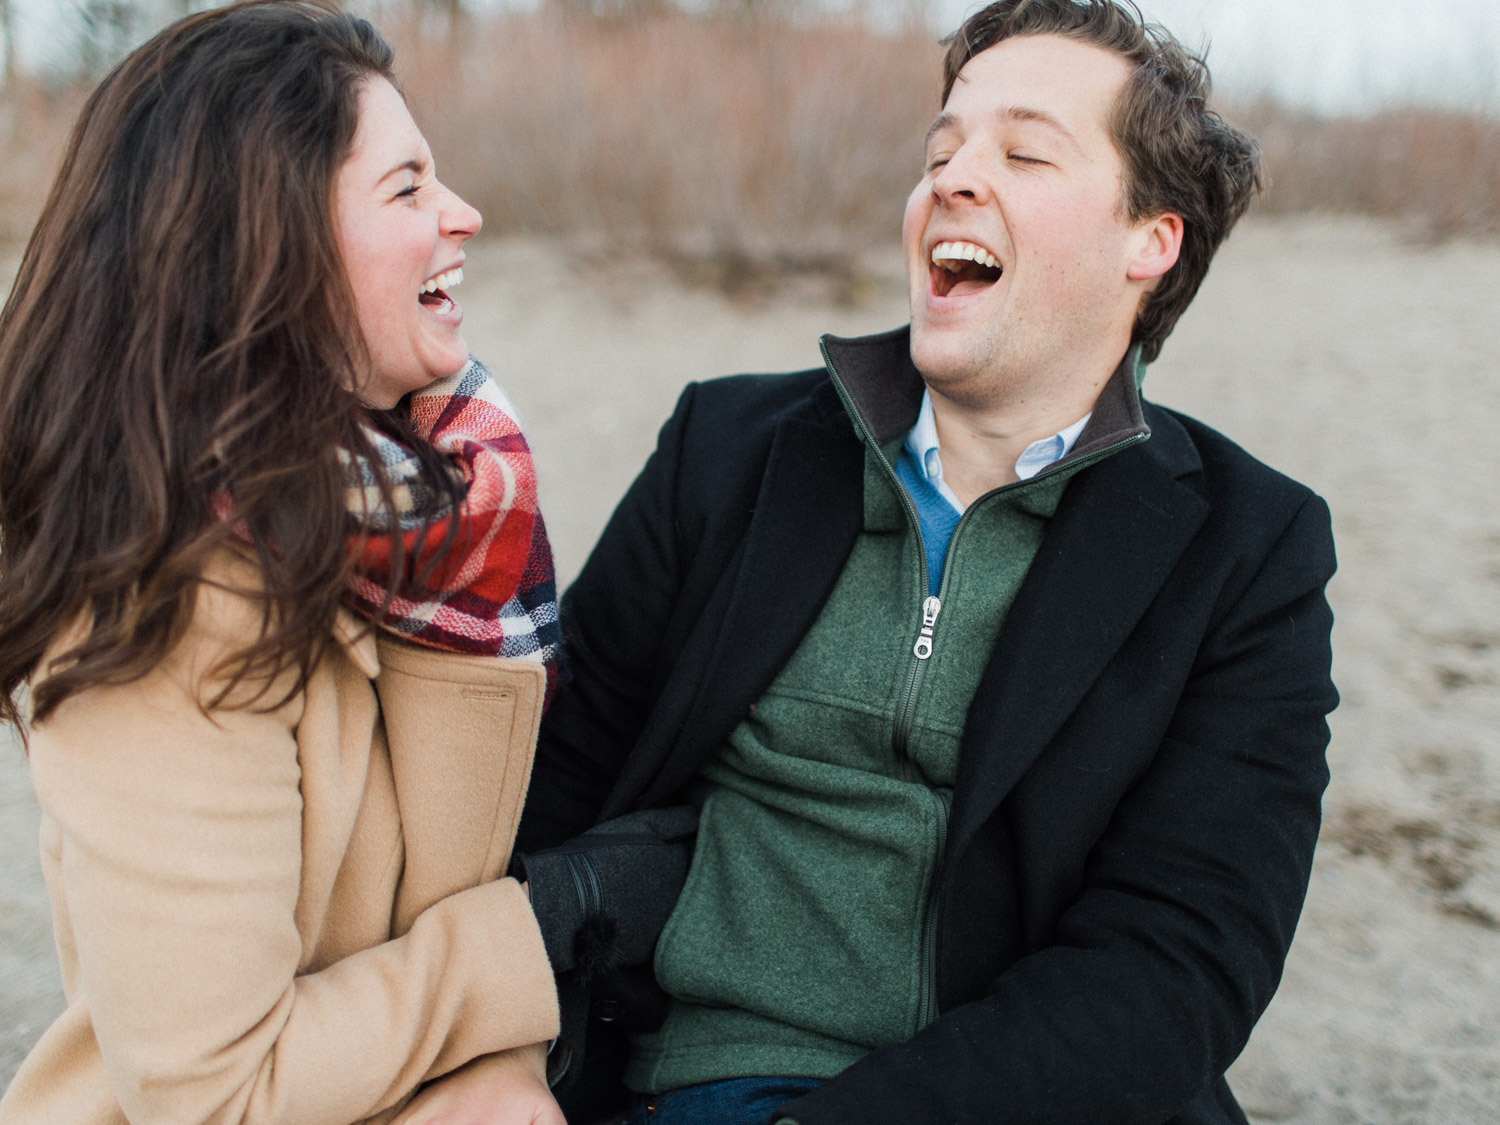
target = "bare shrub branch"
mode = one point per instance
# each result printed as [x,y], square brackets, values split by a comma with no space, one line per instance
[1437,171]
[718,136]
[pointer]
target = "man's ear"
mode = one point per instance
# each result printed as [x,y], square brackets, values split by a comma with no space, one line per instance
[1158,243]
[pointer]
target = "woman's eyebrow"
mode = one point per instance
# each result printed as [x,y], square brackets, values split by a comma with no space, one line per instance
[415,166]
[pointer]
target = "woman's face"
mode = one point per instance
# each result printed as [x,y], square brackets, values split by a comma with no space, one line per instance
[401,232]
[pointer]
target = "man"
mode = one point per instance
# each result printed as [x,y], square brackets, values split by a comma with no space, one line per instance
[1002,692]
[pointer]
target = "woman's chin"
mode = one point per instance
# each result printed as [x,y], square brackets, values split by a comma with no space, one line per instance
[390,384]
[448,355]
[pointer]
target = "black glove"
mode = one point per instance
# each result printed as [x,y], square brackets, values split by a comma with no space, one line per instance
[602,898]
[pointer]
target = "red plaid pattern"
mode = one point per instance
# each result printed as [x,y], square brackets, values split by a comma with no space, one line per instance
[494,593]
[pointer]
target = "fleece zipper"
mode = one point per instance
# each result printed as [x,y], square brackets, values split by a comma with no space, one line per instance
[921,655]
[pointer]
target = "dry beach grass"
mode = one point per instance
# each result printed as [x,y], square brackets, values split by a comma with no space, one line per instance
[740,149]
[680,198]
[758,142]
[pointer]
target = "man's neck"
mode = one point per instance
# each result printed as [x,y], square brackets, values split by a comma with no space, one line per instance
[981,445]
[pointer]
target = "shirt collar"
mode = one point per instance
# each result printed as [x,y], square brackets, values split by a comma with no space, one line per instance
[1049,450]
[922,443]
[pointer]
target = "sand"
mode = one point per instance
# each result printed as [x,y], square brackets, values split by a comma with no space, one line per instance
[1356,360]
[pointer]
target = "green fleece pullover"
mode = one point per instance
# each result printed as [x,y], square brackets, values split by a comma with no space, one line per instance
[804,937]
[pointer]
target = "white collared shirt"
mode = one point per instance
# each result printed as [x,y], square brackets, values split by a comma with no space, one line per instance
[922,442]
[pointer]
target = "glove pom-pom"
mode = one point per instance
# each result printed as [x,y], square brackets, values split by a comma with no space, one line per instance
[595,954]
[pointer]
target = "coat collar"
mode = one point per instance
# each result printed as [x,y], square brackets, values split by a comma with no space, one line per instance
[357,638]
[1118,533]
[883,386]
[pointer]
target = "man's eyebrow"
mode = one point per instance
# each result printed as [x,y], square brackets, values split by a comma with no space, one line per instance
[1040,117]
[946,120]
[941,122]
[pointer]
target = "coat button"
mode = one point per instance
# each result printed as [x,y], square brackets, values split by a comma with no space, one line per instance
[608,1011]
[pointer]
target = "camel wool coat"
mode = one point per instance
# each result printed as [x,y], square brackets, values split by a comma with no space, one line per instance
[288,916]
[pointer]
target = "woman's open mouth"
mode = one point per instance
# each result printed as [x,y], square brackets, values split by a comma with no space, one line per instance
[434,296]
[959,269]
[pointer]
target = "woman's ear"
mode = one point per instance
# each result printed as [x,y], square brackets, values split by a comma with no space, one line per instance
[1158,244]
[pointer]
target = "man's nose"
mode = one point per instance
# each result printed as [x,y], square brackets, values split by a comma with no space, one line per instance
[961,179]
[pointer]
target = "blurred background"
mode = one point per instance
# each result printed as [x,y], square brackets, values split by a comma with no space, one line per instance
[715,129]
[677,189]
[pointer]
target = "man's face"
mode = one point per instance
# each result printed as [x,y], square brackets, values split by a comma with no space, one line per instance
[1017,246]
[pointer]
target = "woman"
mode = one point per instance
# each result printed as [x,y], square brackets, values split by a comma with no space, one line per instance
[272,839]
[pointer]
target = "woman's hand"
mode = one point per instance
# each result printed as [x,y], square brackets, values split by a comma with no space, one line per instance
[507,1088]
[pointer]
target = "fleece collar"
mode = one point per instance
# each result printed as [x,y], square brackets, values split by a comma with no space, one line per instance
[882,389]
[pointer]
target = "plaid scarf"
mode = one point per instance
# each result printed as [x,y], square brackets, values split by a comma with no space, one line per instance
[494,593]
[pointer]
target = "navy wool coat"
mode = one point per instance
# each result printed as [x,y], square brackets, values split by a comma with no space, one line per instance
[1140,777]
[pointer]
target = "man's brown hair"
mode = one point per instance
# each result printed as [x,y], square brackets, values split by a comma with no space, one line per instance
[1179,155]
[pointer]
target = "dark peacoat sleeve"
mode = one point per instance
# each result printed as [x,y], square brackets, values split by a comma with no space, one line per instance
[615,621]
[641,596]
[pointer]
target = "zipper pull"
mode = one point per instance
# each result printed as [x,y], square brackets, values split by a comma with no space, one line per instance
[930,610]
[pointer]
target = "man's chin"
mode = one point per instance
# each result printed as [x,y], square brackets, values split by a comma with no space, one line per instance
[947,358]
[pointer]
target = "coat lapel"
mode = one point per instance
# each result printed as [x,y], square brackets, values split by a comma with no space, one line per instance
[807,517]
[1121,528]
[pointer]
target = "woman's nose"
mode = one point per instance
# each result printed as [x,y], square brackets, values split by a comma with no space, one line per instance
[458,218]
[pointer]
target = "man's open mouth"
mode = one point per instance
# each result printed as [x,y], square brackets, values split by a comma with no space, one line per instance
[433,294]
[961,268]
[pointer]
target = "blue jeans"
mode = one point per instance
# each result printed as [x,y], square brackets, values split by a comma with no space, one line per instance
[735,1101]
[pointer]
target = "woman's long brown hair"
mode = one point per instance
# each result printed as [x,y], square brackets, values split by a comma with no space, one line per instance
[181,331]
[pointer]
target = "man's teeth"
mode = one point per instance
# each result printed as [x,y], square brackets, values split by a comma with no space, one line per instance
[952,255]
[444,281]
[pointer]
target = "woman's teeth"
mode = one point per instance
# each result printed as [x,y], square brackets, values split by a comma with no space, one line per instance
[443,281]
[952,255]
